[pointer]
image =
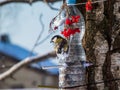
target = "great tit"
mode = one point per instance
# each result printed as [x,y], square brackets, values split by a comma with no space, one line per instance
[61,44]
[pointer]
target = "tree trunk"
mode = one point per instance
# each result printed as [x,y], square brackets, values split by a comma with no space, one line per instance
[102,45]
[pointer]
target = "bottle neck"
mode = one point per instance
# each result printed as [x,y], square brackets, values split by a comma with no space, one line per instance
[70,2]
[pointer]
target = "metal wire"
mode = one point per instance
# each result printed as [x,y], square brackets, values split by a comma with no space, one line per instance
[85,2]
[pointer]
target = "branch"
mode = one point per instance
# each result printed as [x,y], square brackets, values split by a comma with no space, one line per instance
[53,8]
[2,2]
[40,34]
[25,62]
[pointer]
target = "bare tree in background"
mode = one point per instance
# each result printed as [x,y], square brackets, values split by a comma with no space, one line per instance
[31,59]
[25,62]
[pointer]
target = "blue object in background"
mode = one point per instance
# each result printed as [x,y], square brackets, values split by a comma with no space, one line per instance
[20,53]
[70,1]
[14,51]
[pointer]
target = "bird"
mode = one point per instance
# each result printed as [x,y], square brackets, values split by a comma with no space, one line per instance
[61,44]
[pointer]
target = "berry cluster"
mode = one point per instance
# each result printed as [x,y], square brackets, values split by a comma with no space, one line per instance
[69,26]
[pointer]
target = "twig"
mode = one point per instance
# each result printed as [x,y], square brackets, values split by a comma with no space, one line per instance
[40,34]
[50,6]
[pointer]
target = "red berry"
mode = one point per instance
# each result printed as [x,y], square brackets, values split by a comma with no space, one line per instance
[75,19]
[77,30]
[55,28]
[78,16]
[68,21]
[88,6]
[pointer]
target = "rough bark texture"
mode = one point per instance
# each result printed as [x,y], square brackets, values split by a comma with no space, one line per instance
[102,44]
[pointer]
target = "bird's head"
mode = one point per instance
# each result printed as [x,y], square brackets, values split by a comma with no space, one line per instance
[56,38]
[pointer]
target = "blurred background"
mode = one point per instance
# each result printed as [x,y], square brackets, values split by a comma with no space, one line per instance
[22,23]
[20,26]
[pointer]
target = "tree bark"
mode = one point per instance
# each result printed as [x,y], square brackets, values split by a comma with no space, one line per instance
[101,38]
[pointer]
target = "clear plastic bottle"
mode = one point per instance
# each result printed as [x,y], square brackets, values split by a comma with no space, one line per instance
[74,73]
[76,41]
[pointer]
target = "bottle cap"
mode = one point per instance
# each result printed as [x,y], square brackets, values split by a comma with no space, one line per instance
[70,1]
